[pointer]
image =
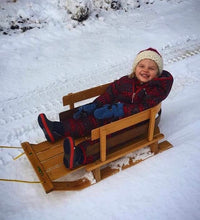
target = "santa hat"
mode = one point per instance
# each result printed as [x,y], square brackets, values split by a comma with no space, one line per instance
[151,54]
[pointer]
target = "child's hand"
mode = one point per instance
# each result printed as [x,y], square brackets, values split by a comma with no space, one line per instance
[84,111]
[108,111]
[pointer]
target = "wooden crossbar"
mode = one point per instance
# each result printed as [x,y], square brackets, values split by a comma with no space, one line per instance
[72,98]
[153,111]
[40,171]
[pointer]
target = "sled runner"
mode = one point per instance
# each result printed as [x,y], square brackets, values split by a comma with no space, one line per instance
[126,135]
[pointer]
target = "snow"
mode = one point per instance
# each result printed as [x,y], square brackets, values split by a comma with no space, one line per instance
[58,56]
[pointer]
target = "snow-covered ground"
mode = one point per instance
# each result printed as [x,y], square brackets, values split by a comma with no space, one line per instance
[58,56]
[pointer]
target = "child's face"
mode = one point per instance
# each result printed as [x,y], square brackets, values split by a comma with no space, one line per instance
[146,70]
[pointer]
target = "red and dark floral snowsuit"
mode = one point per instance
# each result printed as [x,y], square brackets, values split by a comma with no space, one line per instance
[135,96]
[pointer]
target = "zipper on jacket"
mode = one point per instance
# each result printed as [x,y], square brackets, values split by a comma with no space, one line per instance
[136,91]
[133,95]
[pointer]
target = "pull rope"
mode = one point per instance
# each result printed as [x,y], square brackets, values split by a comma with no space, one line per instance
[10,147]
[15,180]
[17,157]
[19,181]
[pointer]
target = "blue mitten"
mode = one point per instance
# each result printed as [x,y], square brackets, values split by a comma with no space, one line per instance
[108,111]
[84,111]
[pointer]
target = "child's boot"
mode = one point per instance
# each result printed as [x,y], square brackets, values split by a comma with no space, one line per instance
[73,156]
[52,130]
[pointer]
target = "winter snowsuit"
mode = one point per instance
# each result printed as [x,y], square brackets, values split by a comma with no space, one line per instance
[134,95]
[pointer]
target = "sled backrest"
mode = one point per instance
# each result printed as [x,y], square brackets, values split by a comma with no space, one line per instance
[73,98]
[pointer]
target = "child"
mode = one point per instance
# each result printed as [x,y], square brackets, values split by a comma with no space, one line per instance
[145,87]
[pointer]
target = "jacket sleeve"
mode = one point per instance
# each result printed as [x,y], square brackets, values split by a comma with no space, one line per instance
[109,96]
[148,97]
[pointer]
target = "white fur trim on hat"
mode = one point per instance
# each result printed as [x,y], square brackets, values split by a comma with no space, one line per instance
[151,54]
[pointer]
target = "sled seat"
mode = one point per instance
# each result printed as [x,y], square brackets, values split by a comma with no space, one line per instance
[126,135]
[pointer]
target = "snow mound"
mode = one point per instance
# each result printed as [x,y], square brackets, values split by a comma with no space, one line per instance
[20,16]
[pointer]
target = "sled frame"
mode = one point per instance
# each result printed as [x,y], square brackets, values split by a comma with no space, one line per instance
[47,158]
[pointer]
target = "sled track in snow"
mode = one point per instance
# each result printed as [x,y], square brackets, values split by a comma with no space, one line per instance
[184,56]
[171,54]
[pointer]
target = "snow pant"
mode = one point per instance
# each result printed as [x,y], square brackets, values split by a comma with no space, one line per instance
[77,128]
[82,127]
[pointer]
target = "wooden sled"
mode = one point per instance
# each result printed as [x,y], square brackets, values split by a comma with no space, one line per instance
[126,135]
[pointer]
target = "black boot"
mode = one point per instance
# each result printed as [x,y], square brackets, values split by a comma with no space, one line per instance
[52,130]
[73,156]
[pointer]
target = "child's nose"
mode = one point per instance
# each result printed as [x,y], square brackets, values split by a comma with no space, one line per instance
[145,69]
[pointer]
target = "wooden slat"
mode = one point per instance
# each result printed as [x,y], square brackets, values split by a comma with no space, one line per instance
[47,150]
[74,185]
[153,113]
[45,145]
[102,144]
[165,145]
[61,171]
[53,162]
[49,153]
[128,148]
[40,171]
[40,147]
[154,147]
[97,174]
[54,157]
[83,95]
